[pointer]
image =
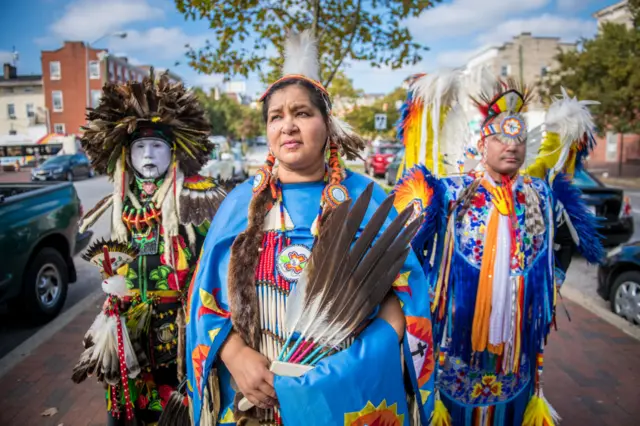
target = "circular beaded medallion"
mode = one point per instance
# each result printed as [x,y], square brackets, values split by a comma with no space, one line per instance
[292,260]
[260,180]
[335,194]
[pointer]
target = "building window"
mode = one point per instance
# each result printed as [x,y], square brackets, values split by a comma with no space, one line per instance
[11,110]
[95,98]
[94,70]
[118,73]
[55,71]
[544,71]
[505,70]
[28,89]
[59,128]
[30,111]
[111,71]
[126,75]
[56,95]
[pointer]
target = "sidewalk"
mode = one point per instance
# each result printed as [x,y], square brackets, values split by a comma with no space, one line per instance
[591,374]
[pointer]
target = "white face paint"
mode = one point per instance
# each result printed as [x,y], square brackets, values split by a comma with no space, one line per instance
[150,157]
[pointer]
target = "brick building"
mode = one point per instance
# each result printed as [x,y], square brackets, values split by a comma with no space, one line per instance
[65,73]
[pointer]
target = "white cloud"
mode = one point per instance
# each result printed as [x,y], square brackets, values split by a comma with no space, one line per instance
[568,29]
[205,81]
[463,17]
[456,58]
[6,57]
[90,19]
[157,44]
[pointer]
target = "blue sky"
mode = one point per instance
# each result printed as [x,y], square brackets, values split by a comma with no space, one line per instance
[454,30]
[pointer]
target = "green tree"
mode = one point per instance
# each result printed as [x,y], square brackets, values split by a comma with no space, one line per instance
[607,69]
[362,119]
[228,117]
[374,31]
[342,87]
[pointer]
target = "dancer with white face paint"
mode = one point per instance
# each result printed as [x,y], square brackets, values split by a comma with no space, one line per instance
[161,211]
[150,157]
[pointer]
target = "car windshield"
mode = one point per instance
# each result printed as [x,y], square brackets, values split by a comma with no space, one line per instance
[584,180]
[388,149]
[57,160]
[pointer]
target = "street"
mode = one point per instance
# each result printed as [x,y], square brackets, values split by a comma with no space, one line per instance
[13,331]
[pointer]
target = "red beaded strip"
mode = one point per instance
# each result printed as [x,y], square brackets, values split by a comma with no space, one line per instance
[123,365]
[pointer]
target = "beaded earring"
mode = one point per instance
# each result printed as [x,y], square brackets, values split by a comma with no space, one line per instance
[264,175]
[334,193]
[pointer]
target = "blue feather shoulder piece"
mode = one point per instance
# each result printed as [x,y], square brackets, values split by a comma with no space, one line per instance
[582,223]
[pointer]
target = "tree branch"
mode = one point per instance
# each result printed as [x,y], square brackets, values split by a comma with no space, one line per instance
[347,47]
[316,18]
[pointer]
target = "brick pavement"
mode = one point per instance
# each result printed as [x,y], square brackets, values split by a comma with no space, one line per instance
[592,377]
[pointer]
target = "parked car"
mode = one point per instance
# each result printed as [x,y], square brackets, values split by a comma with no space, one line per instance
[226,163]
[610,205]
[379,158]
[619,281]
[38,239]
[63,167]
[390,176]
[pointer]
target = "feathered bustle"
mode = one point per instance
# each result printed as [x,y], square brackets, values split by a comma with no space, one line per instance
[301,56]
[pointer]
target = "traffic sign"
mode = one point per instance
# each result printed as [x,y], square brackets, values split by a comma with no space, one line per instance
[381,121]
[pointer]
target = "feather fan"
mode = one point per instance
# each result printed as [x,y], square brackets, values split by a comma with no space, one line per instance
[100,357]
[301,56]
[344,281]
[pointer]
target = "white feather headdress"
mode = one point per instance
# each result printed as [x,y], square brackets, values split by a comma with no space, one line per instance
[301,56]
[301,62]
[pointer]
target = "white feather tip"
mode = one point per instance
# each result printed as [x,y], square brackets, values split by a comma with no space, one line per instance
[442,87]
[115,286]
[569,117]
[301,55]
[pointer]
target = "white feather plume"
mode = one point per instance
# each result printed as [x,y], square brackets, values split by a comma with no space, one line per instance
[115,286]
[301,55]
[534,140]
[569,118]
[456,135]
[487,80]
[438,90]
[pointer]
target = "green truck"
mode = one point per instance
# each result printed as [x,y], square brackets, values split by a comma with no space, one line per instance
[38,239]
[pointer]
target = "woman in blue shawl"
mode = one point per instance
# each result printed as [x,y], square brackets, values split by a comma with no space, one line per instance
[258,245]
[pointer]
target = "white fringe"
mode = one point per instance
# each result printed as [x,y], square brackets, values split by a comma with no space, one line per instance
[118,229]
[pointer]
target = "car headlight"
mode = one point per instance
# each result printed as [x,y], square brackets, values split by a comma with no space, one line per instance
[615,251]
[58,170]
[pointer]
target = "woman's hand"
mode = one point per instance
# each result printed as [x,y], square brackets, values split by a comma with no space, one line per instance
[391,312]
[250,370]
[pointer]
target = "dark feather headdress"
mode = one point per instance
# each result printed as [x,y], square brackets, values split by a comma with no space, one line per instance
[156,108]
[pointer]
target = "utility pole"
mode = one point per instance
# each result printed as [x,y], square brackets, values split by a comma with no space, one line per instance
[521,62]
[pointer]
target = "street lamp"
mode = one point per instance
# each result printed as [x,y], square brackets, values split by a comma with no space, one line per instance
[87,46]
